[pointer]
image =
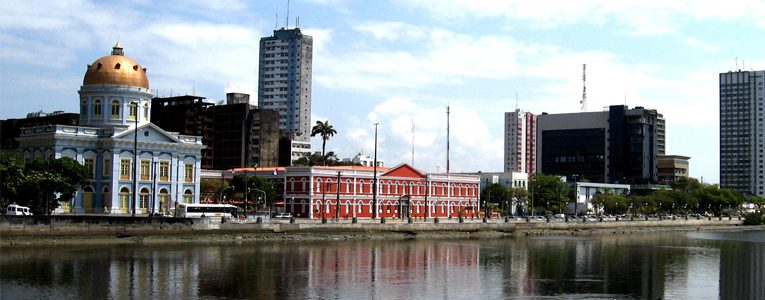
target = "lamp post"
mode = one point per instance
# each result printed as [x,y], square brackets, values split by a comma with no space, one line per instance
[374,179]
[337,206]
[264,197]
[153,185]
[135,156]
[576,196]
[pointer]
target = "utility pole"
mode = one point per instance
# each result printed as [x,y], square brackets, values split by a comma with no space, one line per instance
[374,179]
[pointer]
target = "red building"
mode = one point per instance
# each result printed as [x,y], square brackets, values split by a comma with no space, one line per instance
[346,192]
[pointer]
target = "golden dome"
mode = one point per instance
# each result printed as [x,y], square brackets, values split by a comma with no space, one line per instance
[116,69]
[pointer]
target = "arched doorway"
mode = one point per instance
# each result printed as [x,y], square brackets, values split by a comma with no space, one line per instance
[163,203]
[87,199]
[124,200]
[144,200]
[404,206]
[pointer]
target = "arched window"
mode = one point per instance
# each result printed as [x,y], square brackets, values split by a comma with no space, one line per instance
[318,185]
[97,109]
[347,186]
[115,110]
[146,112]
[359,205]
[188,196]
[133,111]
[144,198]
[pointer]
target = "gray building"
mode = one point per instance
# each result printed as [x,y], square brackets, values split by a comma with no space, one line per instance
[284,84]
[741,130]
[619,145]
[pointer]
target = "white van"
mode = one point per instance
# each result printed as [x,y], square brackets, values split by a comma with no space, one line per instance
[17,210]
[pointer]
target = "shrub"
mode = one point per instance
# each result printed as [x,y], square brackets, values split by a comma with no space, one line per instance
[754,219]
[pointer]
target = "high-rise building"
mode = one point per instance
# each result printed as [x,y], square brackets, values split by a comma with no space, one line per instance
[520,142]
[235,135]
[741,132]
[284,84]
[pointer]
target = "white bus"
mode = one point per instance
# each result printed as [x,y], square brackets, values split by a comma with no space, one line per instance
[187,210]
[17,210]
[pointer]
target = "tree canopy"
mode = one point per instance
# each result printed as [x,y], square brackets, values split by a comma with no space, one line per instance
[40,184]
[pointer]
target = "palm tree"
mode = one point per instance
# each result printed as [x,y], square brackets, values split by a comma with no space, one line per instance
[325,130]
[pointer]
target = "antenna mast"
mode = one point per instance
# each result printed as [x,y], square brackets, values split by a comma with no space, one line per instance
[447,140]
[583,102]
[287,19]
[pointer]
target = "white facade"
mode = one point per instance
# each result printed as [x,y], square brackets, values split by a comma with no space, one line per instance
[520,145]
[741,132]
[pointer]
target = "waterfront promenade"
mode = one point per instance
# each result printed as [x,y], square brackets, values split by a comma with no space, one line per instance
[118,229]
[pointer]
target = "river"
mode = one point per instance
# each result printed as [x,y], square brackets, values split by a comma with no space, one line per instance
[682,265]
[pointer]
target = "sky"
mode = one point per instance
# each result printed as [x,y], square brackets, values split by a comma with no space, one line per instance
[400,63]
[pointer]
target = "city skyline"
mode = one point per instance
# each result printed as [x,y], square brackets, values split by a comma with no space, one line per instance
[402,67]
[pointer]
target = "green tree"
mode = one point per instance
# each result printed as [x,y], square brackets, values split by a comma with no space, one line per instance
[46,182]
[549,192]
[496,193]
[11,176]
[254,185]
[520,197]
[212,188]
[325,130]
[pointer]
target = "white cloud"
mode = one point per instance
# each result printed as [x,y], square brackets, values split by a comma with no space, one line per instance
[639,17]
[473,147]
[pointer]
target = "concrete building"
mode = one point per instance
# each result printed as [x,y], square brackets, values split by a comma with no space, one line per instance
[235,135]
[347,191]
[584,192]
[10,129]
[672,168]
[115,105]
[520,142]
[284,84]
[741,132]
[364,160]
[614,146]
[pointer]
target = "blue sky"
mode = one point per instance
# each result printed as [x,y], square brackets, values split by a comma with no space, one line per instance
[403,61]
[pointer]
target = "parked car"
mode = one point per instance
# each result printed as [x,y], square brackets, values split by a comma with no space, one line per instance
[281,215]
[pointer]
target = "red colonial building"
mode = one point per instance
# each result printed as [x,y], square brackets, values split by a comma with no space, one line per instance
[346,192]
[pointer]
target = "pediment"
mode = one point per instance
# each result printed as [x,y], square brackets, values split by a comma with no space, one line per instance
[148,133]
[404,170]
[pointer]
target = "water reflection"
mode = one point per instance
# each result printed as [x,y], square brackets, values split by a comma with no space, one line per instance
[632,266]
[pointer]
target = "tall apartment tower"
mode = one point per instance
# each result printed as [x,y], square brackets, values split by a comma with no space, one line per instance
[284,84]
[520,142]
[741,132]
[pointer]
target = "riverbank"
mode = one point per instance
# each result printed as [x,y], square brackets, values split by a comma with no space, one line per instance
[203,231]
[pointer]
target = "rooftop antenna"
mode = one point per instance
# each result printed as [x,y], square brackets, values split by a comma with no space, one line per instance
[583,102]
[276,21]
[447,140]
[297,22]
[736,62]
[287,19]
[516,101]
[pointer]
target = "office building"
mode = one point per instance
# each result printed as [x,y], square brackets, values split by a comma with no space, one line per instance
[284,84]
[619,145]
[672,168]
[741,132]
[10,129]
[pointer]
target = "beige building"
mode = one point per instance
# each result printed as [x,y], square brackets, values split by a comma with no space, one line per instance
[672,167]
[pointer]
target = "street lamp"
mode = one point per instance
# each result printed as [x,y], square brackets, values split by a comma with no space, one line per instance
[576,195]
[135,155]
[374,179]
